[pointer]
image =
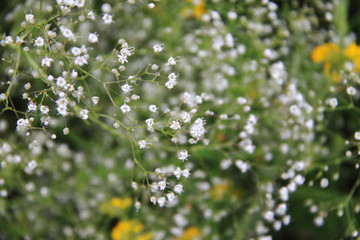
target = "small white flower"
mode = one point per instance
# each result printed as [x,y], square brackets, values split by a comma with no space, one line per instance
[243,166]
[158,48]
[44,109]
[107,18]
[81,61]
[149,122]
[175,125]
[125,108]
[126,88]
[171,61]
[178,188]
[122,58]
[161,201]
[32,164]
[39,42]
[75,51]
[151,5]
[142,144]
[186,173]
[332,102]
[84,114]
[186,117]
[351,91]
[95,99]
[67,33]
[30,18]
[80,3]
[66,131]
[177,173]
[153,200]
[171,196]
[324,183]
[46,61]
[162,185]
[60,82]
[357,135]
[93,38]
[182,155]
[27,86]
[32,107]
[153,108]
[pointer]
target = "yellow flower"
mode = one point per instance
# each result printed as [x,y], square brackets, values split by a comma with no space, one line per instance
[129,230]
[121,203]
[190,233]
[325,53]
[197,11]
[352,51]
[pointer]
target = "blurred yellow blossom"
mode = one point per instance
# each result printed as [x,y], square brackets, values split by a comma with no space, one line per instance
[121,203]
[334,58]
[129,230]
[197,10]
[325,53]
[116,205]
[191,233]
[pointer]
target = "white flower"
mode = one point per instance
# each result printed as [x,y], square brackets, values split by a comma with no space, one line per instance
[29,18]
[149,122]
[142,144]
[39,42]
[186,173]
[125,108]
[161,201]
[158,48]
[186,117]
[32,107]
[153,200]
[3,97]
[357,135]
[178,188]
[324,183]
[175,125]
[107,18]
[67,33]
[197,130]
[84,114]
[171,196]
[81,61]
[46,61]
[177,173]
[44,109]
[32,164]
[162,185]
[80,3]
[182,155]
[60,82]
[351,91]
[243,166]
[126,88]
[153,108]
[93,38]
[171,61]
[95,99]
[122,58]
[75,51]
[333,102]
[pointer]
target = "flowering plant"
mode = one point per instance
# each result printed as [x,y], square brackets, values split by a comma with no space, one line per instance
[178,120]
